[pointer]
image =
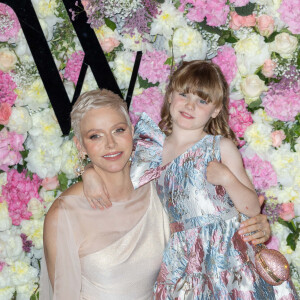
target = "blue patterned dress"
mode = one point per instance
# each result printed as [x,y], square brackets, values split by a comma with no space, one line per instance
[205,257]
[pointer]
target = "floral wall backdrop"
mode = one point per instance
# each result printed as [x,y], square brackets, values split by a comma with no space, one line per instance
[256,44]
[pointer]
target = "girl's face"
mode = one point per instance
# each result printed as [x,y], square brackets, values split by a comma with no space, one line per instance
[190,112]
[106,139]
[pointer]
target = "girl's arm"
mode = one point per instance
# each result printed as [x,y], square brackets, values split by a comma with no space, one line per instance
[94,189]
[230,173]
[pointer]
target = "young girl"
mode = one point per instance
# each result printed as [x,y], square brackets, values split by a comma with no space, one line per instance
[203,186]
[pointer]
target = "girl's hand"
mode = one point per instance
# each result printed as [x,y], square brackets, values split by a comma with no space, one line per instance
[217,173]
[94,189]
[260,226]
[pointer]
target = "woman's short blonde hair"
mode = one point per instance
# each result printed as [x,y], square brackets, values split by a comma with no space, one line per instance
[93,100]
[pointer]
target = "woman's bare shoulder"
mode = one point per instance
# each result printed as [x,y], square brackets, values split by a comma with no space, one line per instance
[74,190]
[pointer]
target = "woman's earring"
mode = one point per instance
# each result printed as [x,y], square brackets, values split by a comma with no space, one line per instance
[79,170]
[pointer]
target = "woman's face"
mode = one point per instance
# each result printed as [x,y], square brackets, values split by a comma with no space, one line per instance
[106,139]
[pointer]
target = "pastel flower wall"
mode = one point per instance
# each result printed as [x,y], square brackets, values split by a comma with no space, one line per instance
[255,43]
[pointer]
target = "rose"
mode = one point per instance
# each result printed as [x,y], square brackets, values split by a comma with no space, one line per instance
[5,112]
[287,211]
[7,60]
[36,208]
[50,183]
[277,137]
[284,44]
[237,21]
[268,68]
[252,86]
[108,44]
[265,25]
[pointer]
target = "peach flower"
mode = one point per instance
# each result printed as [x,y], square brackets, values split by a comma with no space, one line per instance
[50,183]
[265,25]
[5,112]
[287,211]
[108,44]
[237,21]
[277,137]
[7,60]
[268,68]
[273,243]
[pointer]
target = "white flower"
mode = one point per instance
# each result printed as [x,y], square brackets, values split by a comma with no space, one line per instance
[251,53]
[284,44]
[34,231]
[36,208]
[5,292]
[167,20]
[20,120]
[260,116]
[135,42]
[5,220]
[287,194]
[285,163]
[35,96]
[11,246]
[22,273]
[7,60]
[89,82]
[189,43]
[252,87]
[44,123]
[45,8]
[258,135]
[3,181]
[25,291]
[69,159]
[123,67]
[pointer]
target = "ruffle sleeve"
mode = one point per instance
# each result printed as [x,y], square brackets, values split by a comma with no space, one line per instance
[148,145]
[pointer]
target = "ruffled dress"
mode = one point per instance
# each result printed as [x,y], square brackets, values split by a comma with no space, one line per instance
[205,257]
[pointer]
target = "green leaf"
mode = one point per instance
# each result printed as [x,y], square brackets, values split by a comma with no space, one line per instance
[245,10]
[1,127]
[271,38]
[210,29]
[255,104]
[298,60]
[63,181]
[169,61]
[33,297]
[291,241]
[160,1]
[145,84]
[231,40]
[110,24]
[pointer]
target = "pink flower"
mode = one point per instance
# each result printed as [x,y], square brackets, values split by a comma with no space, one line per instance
[2,265]
[263,174]
[287,211]
[9,25]
[10,145]
[239,118]
[273,243]
[153,67]
[277,137]
[237,21]
[150,102]
[265,25]
[226,60]
[17,192]
[290,14]
[7,86]
[216,12]
[268,68]
[50,183]
[282,99]
[238,3]
[5,112]
[73,66]
[109,44]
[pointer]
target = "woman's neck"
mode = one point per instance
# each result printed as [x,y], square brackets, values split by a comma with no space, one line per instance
[118,184]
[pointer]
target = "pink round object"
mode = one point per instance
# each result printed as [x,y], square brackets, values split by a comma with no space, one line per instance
[272,266]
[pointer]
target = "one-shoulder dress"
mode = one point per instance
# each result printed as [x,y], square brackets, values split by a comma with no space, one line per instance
[205,257]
